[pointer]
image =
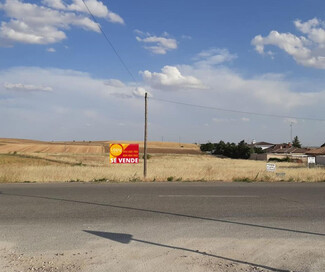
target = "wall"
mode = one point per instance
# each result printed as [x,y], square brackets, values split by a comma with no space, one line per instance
[320,160]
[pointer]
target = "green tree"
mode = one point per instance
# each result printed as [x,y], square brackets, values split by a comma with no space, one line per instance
[243,150]
[296,142]
[207,147]
[257,150]
[231,150]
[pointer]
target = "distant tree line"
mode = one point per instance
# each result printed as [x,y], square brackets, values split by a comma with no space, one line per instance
[231,150]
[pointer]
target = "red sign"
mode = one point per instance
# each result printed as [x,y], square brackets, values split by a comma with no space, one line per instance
[124,153]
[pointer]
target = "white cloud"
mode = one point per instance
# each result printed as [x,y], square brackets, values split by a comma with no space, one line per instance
[58,80]
[78,98]
[57,4]
[314,30]
[306,50]
[114,83]
[156,44]
[28,109]
[262,93]
[36,24]
[171,78]
[213,56]
[97,8]
[140,92]
[26,87]
[51,50]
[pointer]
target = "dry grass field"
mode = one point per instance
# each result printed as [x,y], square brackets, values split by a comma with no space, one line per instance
[42,167]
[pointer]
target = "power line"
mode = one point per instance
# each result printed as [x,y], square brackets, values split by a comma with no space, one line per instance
[237,111]
[109,42]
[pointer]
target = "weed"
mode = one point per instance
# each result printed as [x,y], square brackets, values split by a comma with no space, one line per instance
[100,180]
[74,180]
[148,156]
[242,179]
[135,178]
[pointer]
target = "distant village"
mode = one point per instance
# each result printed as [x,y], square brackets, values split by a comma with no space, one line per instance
[291,152]
[288,150]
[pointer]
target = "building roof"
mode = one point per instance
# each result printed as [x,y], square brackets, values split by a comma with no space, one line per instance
[290,150]
[271,149]
[316,151]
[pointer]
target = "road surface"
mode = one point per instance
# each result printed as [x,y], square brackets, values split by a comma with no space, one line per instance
[162,227]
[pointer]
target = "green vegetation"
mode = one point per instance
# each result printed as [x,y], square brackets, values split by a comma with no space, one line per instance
[286,159]
[296,142]
[148,156]
[230,150]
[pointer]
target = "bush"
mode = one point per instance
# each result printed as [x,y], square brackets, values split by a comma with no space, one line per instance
[170,178]
[286,159]
[148,156]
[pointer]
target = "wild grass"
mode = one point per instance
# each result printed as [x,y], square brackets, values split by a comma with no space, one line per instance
[161,168]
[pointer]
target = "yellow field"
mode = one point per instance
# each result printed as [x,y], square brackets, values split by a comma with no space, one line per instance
[89,147]
[44,167]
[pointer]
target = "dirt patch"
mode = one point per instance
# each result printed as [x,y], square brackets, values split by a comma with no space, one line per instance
[12,261]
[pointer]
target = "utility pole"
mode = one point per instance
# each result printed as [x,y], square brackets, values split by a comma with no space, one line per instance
[291,131]
[145,134]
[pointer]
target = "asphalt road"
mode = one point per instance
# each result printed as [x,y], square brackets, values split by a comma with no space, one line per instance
[162,227]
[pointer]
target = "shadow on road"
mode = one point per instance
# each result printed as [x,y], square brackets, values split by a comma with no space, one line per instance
[168,213]
[127,238]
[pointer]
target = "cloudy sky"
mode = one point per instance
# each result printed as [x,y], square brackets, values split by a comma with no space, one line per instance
[60,79]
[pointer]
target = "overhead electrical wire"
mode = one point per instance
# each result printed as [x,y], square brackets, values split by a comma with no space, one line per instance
[238,111]
[109,42]
[188,104]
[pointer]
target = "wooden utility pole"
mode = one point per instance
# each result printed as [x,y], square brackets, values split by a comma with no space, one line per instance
[145,134]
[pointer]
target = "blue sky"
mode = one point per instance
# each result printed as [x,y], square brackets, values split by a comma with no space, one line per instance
[60,80]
